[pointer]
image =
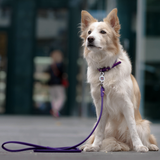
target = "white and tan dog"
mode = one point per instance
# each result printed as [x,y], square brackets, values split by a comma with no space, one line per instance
[121,127]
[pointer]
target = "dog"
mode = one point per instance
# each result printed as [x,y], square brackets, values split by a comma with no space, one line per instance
[121,127]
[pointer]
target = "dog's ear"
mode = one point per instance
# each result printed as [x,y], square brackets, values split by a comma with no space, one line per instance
[113,20]
[86,20]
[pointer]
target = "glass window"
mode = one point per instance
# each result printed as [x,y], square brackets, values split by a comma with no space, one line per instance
[5,19]
[152,60]
[148,61]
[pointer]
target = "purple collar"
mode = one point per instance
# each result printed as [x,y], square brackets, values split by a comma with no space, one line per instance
[104,69]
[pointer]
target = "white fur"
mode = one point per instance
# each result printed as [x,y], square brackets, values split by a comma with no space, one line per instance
[117,129]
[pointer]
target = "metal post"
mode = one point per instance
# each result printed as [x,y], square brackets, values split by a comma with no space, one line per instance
[140,49]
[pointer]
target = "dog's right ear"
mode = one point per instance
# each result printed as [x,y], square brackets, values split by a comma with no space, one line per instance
[86,20]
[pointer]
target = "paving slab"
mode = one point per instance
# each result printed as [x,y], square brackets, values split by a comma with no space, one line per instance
[47,131]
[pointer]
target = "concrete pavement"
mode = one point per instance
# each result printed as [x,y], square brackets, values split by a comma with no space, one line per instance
[59,132]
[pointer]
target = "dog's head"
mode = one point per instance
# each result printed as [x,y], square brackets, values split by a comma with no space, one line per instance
[100,37]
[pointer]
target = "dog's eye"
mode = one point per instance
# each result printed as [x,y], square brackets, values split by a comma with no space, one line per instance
[89,32]
[103,32]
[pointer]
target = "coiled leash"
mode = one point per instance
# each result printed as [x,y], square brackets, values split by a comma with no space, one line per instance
[38,148]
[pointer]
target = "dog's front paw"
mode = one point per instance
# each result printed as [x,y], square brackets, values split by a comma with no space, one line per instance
[84,146]
[91,148]
[141,148]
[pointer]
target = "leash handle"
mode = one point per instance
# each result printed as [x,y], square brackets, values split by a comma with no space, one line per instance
[38,148]
[32,146]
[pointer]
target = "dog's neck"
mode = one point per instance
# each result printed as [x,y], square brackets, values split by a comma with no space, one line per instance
[100,60]
[106,69]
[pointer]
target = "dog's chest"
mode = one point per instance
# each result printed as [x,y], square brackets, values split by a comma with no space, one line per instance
[93,74]
[110,85]
[110,100]
[109,79]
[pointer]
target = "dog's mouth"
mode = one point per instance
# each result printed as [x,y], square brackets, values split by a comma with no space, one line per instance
[93,46]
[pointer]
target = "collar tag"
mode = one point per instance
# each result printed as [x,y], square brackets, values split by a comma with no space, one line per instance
[101,77]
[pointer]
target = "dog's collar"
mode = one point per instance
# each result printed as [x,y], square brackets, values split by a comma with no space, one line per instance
[106,69]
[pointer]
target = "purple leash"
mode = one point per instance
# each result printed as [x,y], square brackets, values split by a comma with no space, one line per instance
[38,148]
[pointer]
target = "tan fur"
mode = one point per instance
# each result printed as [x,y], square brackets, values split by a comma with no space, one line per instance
[115,141]
[123,129]
[152,139]
[136,99]
[113,21]
[86,20]
[111,144]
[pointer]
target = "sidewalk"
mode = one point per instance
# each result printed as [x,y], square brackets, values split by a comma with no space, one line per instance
[56,133]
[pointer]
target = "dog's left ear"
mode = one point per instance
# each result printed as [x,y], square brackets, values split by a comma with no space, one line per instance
[113,20]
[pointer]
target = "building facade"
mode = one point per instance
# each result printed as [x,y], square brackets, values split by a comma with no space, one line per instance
[30,29]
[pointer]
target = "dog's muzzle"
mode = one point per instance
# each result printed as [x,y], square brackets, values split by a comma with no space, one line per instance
[91,41]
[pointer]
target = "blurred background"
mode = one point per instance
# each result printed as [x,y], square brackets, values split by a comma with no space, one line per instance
[31,29]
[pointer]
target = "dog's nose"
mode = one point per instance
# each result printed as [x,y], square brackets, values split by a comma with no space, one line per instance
[90,39]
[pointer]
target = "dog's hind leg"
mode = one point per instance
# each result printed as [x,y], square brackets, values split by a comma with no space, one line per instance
[143,129]
[153,143]
[112,145]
